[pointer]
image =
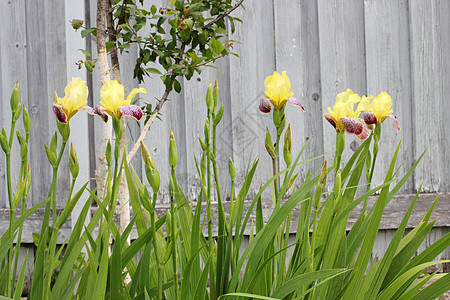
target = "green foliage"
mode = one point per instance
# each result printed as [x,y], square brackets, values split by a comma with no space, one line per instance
[174,258]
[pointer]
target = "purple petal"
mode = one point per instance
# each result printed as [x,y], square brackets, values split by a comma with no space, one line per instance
[370,118]
[330,119]
[59,113]
[365,133]
[395,121]
[352,125]
[264,106]
[133,111]
[99,111]
[296,102]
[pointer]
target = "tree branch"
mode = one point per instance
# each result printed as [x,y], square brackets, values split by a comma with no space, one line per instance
[224,14]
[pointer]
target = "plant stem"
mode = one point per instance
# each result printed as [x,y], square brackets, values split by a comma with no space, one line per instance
[155,247]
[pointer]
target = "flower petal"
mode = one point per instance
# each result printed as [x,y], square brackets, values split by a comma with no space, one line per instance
[365,133]
[352,125]
[99,111]
[395,121]
[370,118]
[133,111]
[133,93]
[60,113]
[330,119]
[264,106]
[296,102]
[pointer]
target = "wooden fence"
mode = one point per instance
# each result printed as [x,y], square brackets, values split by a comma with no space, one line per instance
[399,46]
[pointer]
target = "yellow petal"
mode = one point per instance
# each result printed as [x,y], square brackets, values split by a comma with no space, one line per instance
[278,89]
[112,96]
[133,93]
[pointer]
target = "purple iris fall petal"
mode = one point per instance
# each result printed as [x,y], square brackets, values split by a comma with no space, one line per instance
[370,118]
[395,121]
[264,106]
[133,111]
[296,102]
[352,125]
[365,133]
[330,119]
[99,111]
[59,113]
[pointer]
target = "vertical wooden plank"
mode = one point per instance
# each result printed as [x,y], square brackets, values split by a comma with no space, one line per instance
[297,52]
[55,51]
[38,98]
[342,61]
[79,123]
[388,69]
[430,45]
[13,57]
[247,74]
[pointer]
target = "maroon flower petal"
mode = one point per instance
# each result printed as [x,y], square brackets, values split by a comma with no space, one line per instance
[365,133]
[99,111]
[330,119]
[296,102]
[370,118]
[133,111]
[352,125]
[395,121]
[60,114]
[264,106]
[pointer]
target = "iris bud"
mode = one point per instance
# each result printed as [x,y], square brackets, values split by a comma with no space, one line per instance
[269,145]
[4,143]
[14,102]
[231,169]
[218,116]
[150,169]
[288,146]
[210,99]
[215,94]
[54,143]
[108,153]
[26,120]
[173,154]
[73,162]
[50,156]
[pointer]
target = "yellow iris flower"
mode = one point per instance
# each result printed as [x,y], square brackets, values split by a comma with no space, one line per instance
[76,93]
[277,90]
[112,101]
[380,108]
[344,117]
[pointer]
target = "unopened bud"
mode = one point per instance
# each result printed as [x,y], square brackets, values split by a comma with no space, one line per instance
[50,156]
[215,94]
[203,144]
[150,169]
[19,137]
[231,169]
[173,154]
[26,120]
[210,99]
[18,111]
[218,116]
[288,146]
[73,162]
[4,143]
[14,102]
[268,144]
[23,150]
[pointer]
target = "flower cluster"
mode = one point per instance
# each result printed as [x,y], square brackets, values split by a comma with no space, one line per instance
[344,117]
[112,101]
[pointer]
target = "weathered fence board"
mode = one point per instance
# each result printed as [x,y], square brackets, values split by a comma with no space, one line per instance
[430,45]
[388,69]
